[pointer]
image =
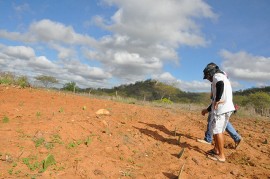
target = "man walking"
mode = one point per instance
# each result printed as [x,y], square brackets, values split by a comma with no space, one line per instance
[221,108]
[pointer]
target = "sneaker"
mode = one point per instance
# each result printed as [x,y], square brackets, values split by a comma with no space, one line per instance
[204,141]
[237,144]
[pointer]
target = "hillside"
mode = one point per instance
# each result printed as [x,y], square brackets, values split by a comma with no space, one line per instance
[132,141]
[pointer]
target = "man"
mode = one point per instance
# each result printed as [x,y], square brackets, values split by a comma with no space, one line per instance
[221,108]
[229,128]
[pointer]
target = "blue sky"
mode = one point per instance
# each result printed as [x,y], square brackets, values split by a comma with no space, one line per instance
[105,43]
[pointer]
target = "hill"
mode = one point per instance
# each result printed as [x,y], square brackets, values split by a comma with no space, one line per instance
[48,134]
[151,90]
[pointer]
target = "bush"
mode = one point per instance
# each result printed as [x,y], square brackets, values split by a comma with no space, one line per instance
[258,100]
[22,81]
[164,100]
[7,78]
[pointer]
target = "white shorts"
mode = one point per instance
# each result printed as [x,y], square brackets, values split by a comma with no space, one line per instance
[219,122]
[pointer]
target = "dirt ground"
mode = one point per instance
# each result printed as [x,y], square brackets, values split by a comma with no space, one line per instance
[132,141]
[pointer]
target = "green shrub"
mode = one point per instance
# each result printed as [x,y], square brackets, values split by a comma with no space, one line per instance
[164,100]
[5,119]
[22,81]
[7,78]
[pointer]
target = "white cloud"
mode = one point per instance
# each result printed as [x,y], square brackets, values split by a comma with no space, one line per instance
[144,34]
[42,63]
[164,22]
[196,86]
[21,52]
[165,77]
[244,66]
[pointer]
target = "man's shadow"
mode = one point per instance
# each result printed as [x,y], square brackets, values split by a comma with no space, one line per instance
[174,141]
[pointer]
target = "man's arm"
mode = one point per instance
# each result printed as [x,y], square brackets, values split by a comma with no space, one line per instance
[219,92]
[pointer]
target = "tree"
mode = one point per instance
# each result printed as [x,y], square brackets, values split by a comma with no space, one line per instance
[166,90]
[260,100]
[70,86]
[46,80]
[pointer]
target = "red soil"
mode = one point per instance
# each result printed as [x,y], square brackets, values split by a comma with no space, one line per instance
[133,141]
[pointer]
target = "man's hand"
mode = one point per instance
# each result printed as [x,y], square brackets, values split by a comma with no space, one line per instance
[204,111]
[217,103]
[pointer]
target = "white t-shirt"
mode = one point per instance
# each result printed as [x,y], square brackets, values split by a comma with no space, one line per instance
[226,97]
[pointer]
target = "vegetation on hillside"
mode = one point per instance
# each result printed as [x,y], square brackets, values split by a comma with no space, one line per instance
[153,90]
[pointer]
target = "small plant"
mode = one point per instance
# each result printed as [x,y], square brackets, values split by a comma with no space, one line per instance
[121,158]
[38,114]
[5,119]
[56,139]
[10,171]
[17,172]
[126,173]
[61,110]
[39,141]
[48,145]
[14,164]
[49,160]
[31,163]
[72,144]
[88,141]
[84,108]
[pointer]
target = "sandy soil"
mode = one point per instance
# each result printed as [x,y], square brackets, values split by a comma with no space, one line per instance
[132,141]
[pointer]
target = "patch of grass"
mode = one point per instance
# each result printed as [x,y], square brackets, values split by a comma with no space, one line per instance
[22,134]
[72,144]
[126,173]
[49,160]
[5,119]
[56,138]
[10,171]
[39,141]
[31,163]
[61,110]
[88,141]
[14,164]
[38,114]
[17,172]
[130,160]
[48,145]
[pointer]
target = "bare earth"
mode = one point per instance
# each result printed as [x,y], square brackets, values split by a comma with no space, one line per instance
[133,141]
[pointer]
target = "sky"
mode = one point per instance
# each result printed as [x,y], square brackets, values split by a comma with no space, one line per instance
[107,43]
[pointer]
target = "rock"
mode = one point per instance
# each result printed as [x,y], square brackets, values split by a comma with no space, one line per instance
[103,112]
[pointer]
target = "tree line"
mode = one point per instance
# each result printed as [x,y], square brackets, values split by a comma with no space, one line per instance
[152,90]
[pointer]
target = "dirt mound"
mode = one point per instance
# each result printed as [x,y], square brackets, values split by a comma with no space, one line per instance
[47,134]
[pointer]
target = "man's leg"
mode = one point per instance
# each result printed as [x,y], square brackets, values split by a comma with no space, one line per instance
[220,145]
[220,123]
[216,150]
[208,133]
[232,132]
